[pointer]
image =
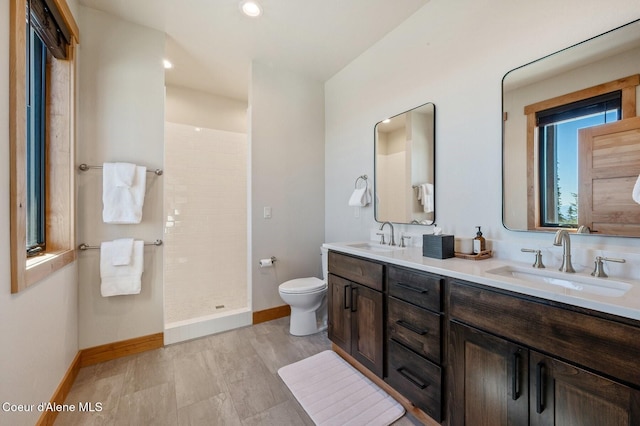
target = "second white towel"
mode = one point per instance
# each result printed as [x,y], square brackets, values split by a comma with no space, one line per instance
[425,195]
[361,197]
[120,279]
[123,188]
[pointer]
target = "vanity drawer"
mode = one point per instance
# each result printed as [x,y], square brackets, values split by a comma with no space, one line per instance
[418,288]
[415,378]
[358,270]
[414,327]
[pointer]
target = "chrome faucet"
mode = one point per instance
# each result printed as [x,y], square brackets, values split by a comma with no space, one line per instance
[562,239]
[583,229]
[392,241]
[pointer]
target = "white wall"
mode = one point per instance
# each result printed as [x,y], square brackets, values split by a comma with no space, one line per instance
[455,55]
[39,326]
[196,108]
[121,118]
[287,165]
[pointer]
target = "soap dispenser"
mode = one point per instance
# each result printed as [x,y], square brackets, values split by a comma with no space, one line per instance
[479,243]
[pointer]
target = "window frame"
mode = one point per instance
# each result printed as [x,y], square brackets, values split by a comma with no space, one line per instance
[59,142]
[628,87]
[548,142]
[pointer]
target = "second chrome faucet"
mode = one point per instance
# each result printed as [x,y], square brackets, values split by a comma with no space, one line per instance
[562,239]
[392,241]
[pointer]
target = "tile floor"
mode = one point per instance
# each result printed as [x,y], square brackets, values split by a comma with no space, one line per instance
[224,379]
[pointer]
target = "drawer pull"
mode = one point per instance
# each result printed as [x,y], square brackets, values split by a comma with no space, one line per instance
[410,377]
[539,388]
[412,328]
[515,384]
[412,288]
[345,305]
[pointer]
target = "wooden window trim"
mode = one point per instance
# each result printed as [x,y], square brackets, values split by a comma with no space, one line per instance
[60,138]
[628,87]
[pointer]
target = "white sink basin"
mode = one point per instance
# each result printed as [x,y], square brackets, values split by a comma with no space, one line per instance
[587,284]
[375,247]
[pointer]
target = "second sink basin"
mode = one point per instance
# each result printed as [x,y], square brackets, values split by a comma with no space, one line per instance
[375,247]
[598,286]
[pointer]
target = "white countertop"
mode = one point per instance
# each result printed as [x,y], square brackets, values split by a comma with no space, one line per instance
[627,306]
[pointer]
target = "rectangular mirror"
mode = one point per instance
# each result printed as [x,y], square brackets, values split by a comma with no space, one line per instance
[405,167]
[571,138]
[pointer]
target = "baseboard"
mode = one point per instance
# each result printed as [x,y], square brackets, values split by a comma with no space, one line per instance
[415,411]
[271,314]
[102,353]
[48,417]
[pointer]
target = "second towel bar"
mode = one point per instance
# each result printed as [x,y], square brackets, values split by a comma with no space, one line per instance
[87,247]
[83,167]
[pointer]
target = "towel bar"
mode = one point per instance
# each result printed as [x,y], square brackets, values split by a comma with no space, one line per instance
[364,178]
[83,168]
[87,247]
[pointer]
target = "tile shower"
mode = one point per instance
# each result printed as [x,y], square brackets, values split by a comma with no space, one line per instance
[205,254]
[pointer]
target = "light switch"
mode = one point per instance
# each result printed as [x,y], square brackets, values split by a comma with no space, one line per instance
[267,213]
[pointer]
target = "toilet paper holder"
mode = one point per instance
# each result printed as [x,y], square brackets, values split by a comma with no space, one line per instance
[267,262]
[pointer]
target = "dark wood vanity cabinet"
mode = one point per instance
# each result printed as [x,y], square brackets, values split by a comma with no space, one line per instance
[490,356]
[499,376]
[356,309]
[414,343]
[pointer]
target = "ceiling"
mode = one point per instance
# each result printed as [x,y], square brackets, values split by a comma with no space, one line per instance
[211,43]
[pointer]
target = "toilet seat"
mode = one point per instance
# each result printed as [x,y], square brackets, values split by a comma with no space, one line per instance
[302,286]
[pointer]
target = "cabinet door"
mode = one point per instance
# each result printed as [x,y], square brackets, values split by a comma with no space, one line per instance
[367,327]
[489,379]
[562,394]
[339,312]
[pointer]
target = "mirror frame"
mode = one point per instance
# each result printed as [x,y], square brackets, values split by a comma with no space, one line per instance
[433,167]
[556,56]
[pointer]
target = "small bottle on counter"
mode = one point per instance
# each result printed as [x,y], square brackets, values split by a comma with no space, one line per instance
[479,242]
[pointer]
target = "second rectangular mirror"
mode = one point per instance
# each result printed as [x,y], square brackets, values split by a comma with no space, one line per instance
[571,138]
[405,167]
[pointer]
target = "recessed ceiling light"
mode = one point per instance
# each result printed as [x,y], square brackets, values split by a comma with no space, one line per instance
[167,64]
[251,8]
[386,120]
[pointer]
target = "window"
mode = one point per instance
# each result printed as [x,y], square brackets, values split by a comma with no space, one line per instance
[553,161]
[36,53]
[43,35]
[558,152]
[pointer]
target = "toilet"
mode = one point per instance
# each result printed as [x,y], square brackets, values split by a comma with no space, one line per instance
[308,300]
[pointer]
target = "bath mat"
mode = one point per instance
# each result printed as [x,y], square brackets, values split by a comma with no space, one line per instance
[332,392]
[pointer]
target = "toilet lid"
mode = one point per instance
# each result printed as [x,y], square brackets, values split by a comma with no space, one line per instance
[303,285]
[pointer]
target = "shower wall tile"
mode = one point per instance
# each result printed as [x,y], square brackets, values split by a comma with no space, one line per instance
[205,221]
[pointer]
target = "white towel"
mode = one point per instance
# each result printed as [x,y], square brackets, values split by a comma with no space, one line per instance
[361,197]
[123,174]
[124,279]
[123,187]
[121,251]
[425,195]
[636,191]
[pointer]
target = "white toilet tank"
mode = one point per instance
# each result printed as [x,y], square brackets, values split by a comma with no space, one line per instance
[325,262]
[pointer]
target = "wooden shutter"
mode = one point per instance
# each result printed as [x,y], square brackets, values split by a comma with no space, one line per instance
[608,167]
